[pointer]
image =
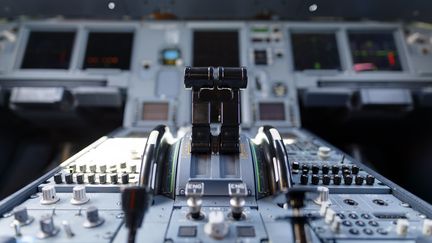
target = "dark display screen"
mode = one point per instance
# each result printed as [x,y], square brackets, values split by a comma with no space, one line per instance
[48,50]
[374,52]
[155,111]
[315,51]
[108,50]
[216,48]
[272,111]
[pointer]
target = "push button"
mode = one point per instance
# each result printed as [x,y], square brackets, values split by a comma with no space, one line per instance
[187,231]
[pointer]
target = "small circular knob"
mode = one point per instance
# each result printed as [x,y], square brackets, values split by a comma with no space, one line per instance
[58,178]
[102,178]
[49,195]
[91,178]
[216,227]
[21,215]
[93,218]
[47,227]
[79,195]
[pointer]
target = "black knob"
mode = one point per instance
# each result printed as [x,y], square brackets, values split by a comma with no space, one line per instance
[80,178]
[125,178]
[355,169]
[102,178]
[345,167]
[295,165]
[348,179]
[305,169]
[370,180]
[337,179]
[304,179]
[114,178]
[326,179]
[69,178]
[325,169]
[315,179]
[315,169]
[335,169]
[91,178]
[58,178]
[359,180]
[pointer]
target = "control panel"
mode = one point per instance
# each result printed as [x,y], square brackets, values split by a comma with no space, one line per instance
[252,175]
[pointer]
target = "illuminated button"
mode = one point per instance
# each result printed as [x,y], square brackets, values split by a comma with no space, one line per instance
[245,231]
[187,231]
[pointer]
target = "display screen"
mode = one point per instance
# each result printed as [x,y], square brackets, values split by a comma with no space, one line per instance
[48,50]
[315,51]
[108,50]
[216,48]
[272,111]
[155,111]
[374,52]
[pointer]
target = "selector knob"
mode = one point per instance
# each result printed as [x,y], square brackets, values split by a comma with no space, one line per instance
[93,218]
[335,169]
[58,178]
[102,178]
[69,178]
[315,169]
[21,215]
[337,179]
[133,168]
[326,180]
[79,195]
[325,169]
[91,178]
[83,168]
[315,179]
[216,227]
[355,169]
[324,152]
[370,180]
[323,196]
[114,178]
[348,180]
[103,168]
[402,227]
[427,227]
[47,227]
[304,179]
[295,165]
[80,178]
[125,178]
[359,180]
[49,195]
[92,168]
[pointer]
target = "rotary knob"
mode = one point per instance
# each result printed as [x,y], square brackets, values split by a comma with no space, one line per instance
[324,152]
[323,197]
[47,227]
[49,195]
[21,215]
[216,227]
[79,195]
[93,218]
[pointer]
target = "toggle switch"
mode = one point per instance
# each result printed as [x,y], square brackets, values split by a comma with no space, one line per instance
[194,191]
[237,191]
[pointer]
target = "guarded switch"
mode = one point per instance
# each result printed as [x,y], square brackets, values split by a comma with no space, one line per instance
[216,227]
[79,195]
